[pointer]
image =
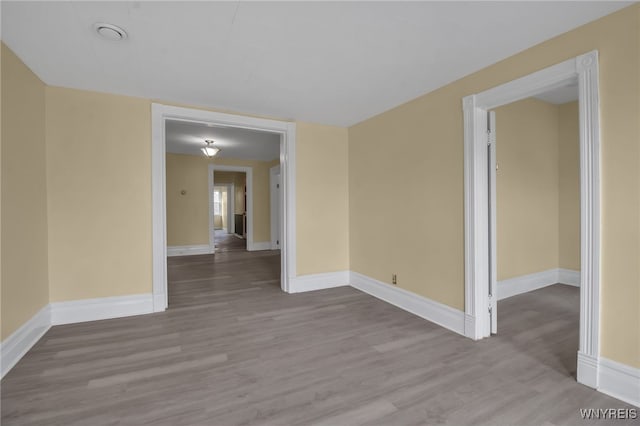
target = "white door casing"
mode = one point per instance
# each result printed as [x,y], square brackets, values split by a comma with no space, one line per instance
[287,130]
[275,203]
[477,221]
[493,239]
[231,207]
[212,228]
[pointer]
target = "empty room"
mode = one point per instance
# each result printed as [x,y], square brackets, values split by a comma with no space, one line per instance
[320,213]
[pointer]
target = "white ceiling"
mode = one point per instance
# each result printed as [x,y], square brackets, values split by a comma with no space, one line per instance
[188,138]
[327,62]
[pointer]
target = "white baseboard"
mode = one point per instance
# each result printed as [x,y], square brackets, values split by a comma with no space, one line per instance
[263,245]
[569,277]
[101,308]
[318,281]
[188,250]
[612,378]
[18,344]
[587,373]
[470,327]
[423,307]
[619,381]
[159,302]
[526,283]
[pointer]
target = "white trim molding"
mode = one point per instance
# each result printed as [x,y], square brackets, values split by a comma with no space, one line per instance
[101,308]
[615,379]
[287,130]
[479,240]
[288,204]
[587,368]
[259,246]
[210,215]
[526,283]
[275,205]
[469,326]
[423,307]
[188,250]
[314,282]
[18,344]
[20,341]
[589,119]
[569,277]
[619,381]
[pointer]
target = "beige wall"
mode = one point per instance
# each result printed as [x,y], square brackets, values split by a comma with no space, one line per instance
[99,189]
[412,156]
[322,199]
[538,187]
[98,153]
[99,186]
[25,287]
[187,222]
[406,194]
[569,181]
[98,199]
[527,188]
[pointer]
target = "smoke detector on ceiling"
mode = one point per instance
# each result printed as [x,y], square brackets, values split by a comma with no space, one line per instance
[110,32]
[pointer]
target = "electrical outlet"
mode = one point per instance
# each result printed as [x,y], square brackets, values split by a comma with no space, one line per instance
[394,279]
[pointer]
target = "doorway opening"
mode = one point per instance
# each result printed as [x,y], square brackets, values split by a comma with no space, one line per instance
[534,210]
[224,207]
[224,216]
[275,194]
[286,132]
[239,211]
[481,294]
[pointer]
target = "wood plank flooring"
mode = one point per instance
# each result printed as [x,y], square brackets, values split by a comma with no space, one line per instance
[232,349]
[228,242]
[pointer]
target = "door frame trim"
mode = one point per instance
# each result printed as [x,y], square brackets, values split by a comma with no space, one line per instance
[231,206]
[287,130]
[275,218]
[475,107]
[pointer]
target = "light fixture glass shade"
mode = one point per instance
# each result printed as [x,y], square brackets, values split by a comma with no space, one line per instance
[210,151]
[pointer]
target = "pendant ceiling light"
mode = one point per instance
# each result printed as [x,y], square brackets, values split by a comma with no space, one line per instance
[209,150]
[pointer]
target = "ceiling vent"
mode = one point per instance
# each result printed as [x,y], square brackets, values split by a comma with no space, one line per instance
[110,32]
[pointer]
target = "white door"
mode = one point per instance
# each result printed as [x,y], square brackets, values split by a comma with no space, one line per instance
[491,180]
[276,210]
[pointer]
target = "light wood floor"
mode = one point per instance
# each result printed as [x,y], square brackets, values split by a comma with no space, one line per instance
[233,349]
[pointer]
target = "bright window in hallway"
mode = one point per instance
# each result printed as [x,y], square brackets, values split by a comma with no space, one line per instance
[217,203]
